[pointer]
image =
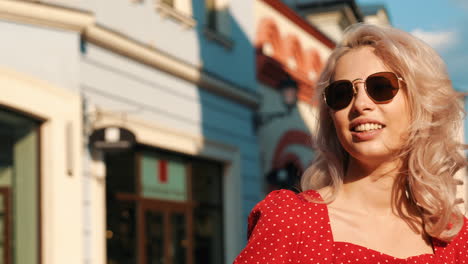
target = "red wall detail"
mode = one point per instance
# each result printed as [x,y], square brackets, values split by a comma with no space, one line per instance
[290,137]
[271,70]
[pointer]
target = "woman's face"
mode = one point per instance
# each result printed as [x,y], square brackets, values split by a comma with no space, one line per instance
[388,123]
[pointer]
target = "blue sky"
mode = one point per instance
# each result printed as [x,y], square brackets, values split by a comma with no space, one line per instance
[443,24]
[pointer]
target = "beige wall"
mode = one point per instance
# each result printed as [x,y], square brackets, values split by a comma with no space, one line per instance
[380,19]
[61,192]
[328,22]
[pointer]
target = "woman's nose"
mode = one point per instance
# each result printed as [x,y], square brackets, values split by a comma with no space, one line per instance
[362,102]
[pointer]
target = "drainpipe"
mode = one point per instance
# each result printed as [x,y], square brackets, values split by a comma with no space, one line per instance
[94,173]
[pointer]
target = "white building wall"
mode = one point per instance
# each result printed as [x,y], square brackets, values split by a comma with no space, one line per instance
[141,21]
[49,54]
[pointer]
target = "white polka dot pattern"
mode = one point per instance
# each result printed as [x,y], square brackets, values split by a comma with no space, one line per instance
[287,228]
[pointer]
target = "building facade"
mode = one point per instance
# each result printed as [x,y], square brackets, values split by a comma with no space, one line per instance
[176,79]
[288,48]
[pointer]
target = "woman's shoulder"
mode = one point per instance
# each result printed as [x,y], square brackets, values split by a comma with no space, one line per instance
[463,233]
[280,223]
[285,207]
[288,209]
[289,200]
[458,247]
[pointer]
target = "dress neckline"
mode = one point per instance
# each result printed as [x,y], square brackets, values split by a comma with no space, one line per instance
[316,194]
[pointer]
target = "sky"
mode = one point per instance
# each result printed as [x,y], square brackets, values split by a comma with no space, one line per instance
[443,24]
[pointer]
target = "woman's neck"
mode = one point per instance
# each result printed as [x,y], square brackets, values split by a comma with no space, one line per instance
[371,186]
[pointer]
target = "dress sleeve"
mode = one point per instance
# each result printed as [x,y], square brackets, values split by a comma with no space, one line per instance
[272,230]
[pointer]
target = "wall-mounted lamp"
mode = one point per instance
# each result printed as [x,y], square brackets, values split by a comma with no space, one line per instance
[286,177]
[288,90]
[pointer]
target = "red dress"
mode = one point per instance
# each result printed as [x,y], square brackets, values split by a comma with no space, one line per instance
[287,228]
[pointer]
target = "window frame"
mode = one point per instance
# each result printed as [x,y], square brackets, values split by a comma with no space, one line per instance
[180,11]
[213,29]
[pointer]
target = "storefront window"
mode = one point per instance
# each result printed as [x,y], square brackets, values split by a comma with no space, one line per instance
[207,192]
[121,233]
[19,196]
[121,216]
[163,208]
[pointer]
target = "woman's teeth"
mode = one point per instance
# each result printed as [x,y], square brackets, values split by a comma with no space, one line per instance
[367,127]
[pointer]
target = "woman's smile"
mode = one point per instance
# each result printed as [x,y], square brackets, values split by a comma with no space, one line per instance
[365,129]
[366,135]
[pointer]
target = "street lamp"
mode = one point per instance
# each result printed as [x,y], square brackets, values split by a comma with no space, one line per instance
[286,177]
[288,90]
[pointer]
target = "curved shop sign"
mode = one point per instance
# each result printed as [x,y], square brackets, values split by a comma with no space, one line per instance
[112,139]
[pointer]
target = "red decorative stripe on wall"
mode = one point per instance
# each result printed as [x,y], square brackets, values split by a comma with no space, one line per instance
[162,166]
[299,21]
[290,137]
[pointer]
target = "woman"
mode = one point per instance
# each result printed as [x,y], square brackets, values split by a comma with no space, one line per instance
[382,187]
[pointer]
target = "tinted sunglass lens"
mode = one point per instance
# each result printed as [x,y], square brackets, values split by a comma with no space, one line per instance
[382,87]
[339,94]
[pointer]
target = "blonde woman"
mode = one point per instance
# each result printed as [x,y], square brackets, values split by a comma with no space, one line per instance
[381,189]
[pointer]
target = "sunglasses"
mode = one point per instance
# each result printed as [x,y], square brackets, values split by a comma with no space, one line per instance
[381,87]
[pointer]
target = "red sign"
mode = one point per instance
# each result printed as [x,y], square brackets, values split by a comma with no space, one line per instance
[162,164]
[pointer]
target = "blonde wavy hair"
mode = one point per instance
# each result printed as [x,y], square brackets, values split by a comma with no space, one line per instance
[431,155]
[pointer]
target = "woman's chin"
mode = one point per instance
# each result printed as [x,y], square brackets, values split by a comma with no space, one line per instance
[372,153]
